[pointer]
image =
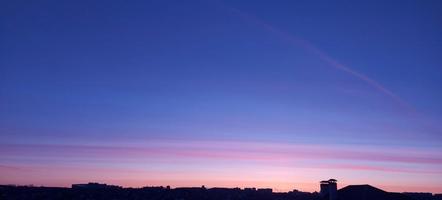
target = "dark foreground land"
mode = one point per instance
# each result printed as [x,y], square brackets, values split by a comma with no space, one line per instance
[359,192]
[149,193]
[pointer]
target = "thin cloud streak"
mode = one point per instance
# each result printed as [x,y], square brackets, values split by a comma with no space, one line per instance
[224,151]
[323,56]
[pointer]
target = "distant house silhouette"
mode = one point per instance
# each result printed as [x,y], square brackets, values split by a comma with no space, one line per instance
[265,190]
[94,186]
[421,195]
[368,192]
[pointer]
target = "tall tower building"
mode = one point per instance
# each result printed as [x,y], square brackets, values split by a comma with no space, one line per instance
[324,189]
[329,188]
[332,189]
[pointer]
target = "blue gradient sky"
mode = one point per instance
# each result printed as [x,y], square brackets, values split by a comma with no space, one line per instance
[199,92]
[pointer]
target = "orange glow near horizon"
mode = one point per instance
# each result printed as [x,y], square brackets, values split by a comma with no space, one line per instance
[280,166]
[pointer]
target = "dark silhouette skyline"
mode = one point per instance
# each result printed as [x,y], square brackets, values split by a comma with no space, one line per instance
[93,191]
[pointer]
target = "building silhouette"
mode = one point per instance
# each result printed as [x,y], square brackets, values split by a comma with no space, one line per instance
[91,185]
[329,189]
[92,191]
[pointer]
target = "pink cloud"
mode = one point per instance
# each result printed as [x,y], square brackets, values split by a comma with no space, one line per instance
[218,151]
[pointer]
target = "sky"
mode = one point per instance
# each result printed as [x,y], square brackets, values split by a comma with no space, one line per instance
[222,93]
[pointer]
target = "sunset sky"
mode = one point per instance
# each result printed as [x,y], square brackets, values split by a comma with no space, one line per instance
[222,93]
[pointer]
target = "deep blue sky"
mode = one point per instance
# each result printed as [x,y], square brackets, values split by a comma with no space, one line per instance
[83,71]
